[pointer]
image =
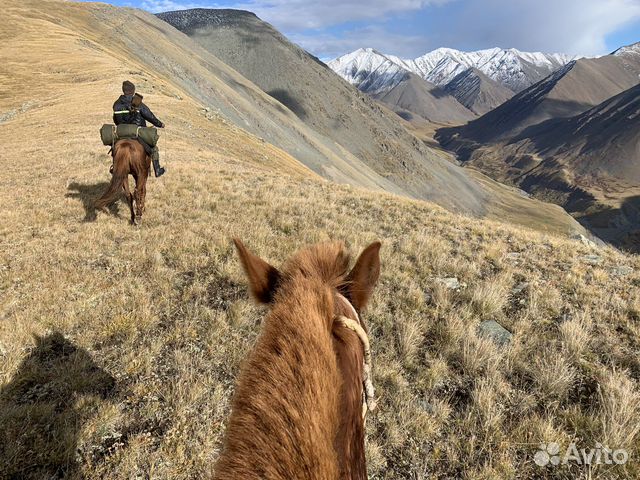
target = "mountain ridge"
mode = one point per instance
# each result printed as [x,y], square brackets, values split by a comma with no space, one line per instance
[477,92]
[511,68]
[430,102]
[578,86]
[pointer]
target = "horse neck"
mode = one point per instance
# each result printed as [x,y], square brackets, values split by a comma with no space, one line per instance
[286,407]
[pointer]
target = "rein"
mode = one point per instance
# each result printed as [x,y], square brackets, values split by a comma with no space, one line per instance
[355,325]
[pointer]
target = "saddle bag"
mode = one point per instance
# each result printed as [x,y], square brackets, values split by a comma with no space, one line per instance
[110,134]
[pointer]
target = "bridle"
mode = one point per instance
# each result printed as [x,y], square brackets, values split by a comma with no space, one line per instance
[354,324]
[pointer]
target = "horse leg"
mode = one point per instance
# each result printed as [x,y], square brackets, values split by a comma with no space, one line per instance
[127,193]
[141,193]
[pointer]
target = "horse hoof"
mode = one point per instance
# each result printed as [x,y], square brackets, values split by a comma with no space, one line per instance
[137,221]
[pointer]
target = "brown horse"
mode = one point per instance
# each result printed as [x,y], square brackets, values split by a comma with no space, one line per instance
[297,411]
[129,158]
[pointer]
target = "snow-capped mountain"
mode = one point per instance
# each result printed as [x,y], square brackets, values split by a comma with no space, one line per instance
[633,49]
[390,80]
[371,71]
[511,68]
[443,64]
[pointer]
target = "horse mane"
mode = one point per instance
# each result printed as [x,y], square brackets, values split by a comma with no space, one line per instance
[298,383]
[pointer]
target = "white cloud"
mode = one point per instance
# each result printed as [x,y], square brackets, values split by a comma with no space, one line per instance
[156,6]
[304,14]
[571,26]
[578,27]
[568,26]
[327,46]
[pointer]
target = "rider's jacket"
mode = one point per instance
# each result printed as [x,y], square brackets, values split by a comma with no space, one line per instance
[124,112]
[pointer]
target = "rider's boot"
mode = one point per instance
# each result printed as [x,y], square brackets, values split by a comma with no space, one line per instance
[155,159]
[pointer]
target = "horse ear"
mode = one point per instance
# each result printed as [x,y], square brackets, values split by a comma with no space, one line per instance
[363,276]
[263,278]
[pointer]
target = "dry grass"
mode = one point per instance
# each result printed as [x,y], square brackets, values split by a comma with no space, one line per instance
[140,332]
[162,310]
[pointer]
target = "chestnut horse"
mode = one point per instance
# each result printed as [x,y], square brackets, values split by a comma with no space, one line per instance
[297,411]
[129,158]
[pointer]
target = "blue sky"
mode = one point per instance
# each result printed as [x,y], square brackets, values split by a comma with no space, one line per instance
[409,28]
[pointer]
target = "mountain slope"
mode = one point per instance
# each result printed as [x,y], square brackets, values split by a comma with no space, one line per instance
[343,115]
[589,164]
[477,92]
[349,119]
[578,86]
[601,142]
[434,104]
[214,86]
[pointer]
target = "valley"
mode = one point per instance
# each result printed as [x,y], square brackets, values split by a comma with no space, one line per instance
[570,139]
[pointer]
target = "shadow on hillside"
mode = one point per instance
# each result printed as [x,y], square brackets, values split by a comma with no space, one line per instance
[88,194]
[619,226]
[405,115]
[506,123]
[285,98]
[40,415]
[439,92]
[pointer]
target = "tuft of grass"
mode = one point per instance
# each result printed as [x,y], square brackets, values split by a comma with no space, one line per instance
[575,335]
[553,376]
[619,409]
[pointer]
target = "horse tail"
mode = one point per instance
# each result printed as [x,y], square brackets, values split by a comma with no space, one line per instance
[122,162]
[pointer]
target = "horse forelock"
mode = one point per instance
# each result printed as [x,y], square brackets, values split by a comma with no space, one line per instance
[326,266]
[327,262]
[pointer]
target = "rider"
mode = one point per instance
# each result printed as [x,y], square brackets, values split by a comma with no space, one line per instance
[130,109]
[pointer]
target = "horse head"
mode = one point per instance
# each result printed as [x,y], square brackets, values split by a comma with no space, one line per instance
[314,295]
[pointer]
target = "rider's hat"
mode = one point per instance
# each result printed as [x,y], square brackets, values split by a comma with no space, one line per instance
[128,88]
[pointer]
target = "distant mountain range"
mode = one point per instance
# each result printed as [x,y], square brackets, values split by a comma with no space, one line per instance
[572,138]
[511,68]
[480,80]
[576,87]
[348,136]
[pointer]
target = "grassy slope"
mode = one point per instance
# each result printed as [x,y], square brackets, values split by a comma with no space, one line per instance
[157,320]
